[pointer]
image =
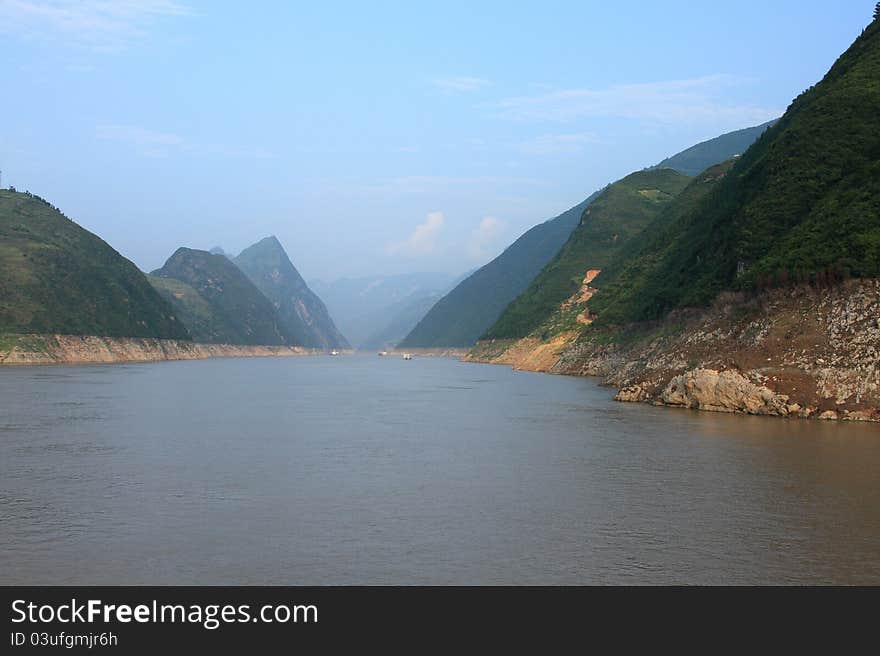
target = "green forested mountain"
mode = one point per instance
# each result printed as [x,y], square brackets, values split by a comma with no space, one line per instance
[469,310]
[56,277]
[196,313]
[303,315]
[460,317]
[697,159]
[633,266]
[620,213]
[801,205]
[217,301]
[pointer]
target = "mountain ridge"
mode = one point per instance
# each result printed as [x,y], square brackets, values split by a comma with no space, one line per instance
[761,295]
[302,312]
[461,316]
[801,205]
[464,315]
[221,304]
[620,213]
[696,159]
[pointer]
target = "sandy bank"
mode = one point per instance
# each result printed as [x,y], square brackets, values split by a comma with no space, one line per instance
[83,349]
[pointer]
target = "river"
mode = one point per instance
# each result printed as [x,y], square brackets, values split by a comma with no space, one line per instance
[368,470]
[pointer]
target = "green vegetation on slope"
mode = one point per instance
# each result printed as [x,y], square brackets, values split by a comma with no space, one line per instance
[801,205]
[633,267]
[698,158]
[460,317]
[621,212]
[217,301]
[193,310]
[303,315]
[469,310]
[56,277]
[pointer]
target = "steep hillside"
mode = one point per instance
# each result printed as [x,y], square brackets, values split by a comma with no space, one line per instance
[620,213]
[802,352]
[760,295]
[460,317]
[56,277]
[303,314]
[196,313]
[633,268]
[801,205]
[469,311]
[697,159]
[217,301]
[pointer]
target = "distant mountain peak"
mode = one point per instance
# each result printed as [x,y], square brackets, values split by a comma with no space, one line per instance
[192,257]
[271,239]
[268,266]
[269,243]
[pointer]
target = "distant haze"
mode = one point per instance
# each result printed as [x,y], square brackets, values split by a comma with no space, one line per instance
[363,307]
[378,139]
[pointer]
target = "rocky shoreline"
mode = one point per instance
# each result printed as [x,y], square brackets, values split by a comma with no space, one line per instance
[90,349]
[799,353]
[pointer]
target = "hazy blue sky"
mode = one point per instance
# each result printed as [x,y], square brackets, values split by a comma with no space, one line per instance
[377,137]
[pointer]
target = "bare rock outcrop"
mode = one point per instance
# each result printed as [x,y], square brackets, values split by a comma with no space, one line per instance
[796,352]
[723,391]
[632,394]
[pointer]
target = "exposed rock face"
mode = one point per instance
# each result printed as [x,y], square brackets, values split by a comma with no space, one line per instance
[303,315]
[722,391]
[793,353]
[585,292]
[76,349]
[632,394]
[527,354]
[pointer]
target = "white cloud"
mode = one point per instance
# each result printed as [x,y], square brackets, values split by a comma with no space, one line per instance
[460,84]
[550,144]
[100,24]
[483,236]
[423,239]
[672,101]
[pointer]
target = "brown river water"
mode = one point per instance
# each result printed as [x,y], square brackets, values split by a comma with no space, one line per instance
[367,470]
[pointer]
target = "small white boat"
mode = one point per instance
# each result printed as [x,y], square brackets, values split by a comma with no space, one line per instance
[407,356]
[334,352]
